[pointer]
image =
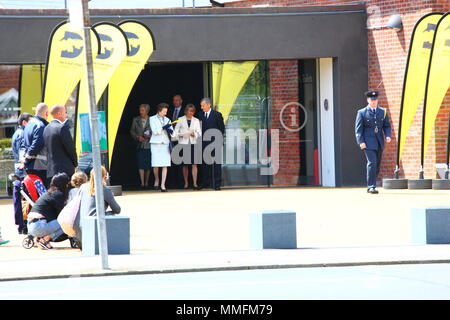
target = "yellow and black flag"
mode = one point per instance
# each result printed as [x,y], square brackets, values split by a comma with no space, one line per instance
[113,48]
[438,79]
[141,46]
[65,63]
[415,74]
[228,79]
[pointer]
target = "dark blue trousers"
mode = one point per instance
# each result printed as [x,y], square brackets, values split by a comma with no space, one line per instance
[373,166]
[17,202]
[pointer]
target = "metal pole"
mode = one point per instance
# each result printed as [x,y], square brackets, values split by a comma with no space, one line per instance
[99,198]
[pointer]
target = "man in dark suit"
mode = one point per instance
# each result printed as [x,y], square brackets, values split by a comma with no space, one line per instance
[211,119]
[61,153]
[177,109]
[372,129]
[175,172]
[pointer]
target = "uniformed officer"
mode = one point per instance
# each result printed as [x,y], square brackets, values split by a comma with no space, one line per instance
[372,129]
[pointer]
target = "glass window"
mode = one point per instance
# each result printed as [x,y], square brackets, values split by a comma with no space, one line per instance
[240,93]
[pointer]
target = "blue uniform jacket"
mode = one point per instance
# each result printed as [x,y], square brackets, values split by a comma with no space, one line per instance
[34,145]
[369,128]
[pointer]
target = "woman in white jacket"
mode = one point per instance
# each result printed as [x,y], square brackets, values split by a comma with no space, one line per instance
[160,144]
[187,131]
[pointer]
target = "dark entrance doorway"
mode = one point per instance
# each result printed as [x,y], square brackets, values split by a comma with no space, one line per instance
[309,156]
[157,83]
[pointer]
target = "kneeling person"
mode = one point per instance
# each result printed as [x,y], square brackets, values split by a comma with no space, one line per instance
[42,221]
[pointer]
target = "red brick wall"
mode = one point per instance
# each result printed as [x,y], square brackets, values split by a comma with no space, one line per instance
[283,90]
[387,59]
[9,78]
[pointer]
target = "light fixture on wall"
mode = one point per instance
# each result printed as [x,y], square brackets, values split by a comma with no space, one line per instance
[395,22]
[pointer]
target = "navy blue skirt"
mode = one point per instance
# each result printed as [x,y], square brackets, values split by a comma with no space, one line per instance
[143,157]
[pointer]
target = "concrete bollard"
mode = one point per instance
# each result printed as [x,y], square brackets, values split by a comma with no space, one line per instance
[273,230]
[430,225]
[117,230]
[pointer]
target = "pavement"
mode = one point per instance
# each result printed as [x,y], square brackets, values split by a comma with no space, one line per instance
[192,231]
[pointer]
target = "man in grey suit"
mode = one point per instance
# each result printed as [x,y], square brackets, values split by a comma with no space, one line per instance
[61,153]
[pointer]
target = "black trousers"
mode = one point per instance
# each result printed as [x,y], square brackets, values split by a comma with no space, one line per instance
[211,174]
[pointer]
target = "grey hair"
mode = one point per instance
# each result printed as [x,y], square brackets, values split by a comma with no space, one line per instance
[41,108]
[146,106]
[206,100]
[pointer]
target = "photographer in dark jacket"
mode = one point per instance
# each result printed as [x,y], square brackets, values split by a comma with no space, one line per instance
[42,221]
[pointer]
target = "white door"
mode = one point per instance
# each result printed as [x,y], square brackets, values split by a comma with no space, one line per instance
[326,116]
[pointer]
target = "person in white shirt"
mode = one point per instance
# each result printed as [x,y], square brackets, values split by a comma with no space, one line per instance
[160,146]
[187,131]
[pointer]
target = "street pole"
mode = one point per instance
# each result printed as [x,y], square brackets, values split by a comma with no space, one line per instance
[99,198]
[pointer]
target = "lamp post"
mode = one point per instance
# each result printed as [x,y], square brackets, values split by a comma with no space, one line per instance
[99,199]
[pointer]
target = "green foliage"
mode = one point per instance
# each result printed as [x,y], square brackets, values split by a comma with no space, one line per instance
[5,143]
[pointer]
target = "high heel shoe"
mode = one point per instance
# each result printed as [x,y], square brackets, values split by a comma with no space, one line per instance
[156,188]
[163,190]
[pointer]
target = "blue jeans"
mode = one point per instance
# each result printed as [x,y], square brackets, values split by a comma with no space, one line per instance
[41,228]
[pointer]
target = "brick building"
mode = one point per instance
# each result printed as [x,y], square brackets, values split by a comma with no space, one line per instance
[388,53]
[319,55]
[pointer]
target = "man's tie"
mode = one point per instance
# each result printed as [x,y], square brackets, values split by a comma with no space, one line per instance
[175,116]
[206,115]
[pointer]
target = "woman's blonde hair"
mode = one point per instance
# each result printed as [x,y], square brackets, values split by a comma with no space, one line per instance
[78,178]
[92,181]
[188,107]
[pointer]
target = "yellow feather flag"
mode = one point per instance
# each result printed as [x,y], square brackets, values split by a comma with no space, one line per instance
[113,48]
[416,73]
[65,63]
[141,47]
[228,79]
[31,81]
[438,78]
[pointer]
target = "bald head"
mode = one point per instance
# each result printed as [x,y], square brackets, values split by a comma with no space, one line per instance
[58,111]
[42,110]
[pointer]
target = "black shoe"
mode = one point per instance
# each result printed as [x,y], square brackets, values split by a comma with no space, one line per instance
[156,188]
[217,188]
[372,191]
[163,190]
[23,230]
